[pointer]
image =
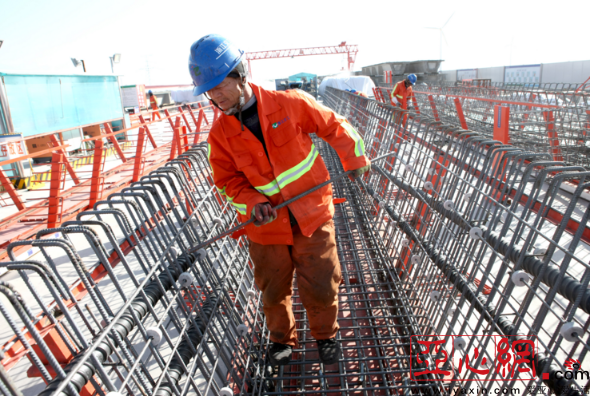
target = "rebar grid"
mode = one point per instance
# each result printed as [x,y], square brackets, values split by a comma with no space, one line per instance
[560,129]
[375,326]
[481,212]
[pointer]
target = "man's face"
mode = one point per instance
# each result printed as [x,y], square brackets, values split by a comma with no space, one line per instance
[227,93]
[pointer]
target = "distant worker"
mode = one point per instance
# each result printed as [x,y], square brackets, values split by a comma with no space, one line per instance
[359,93]
[154,104]
[402,90]
[261,154]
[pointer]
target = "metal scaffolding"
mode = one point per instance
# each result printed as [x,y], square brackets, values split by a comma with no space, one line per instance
[453,242]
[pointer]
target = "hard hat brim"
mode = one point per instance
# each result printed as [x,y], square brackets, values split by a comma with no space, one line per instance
[201,89]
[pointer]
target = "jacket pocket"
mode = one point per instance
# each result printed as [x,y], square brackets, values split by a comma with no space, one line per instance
[282,136]
[243,160]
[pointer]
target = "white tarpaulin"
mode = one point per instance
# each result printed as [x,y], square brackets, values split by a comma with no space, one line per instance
[186,96]
[358,83]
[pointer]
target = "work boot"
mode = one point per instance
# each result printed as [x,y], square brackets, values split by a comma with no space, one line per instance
[280,354]
[329,350]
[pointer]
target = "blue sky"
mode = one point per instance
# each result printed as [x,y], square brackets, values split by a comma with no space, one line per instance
[154,36]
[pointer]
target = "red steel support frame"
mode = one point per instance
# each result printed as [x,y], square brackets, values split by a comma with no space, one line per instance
[581,85]
[460,113]
[139,159]
[184,138]
[147,131]
[415,102]
[552,136]
[54,208]
[113,140]
[9,188]
[198,123]
[69,167]
[185,120]
[170,120]
[176,145]
[97,183]
[201,111]
[377,93]
[433,106]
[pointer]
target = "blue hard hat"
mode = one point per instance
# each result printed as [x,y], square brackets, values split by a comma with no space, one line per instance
[212,58]
[412,79]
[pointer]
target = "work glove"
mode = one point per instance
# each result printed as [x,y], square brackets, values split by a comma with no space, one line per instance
[264,213]
[394,100]
[360,171]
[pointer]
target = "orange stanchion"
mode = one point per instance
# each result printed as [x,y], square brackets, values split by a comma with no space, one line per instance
[114,142]
[375,94]
[139,159]
[202,112]
[198,124]
[460,113]
[147,131]
[9,188]
[69,167]
[55,201]
[184,147]
[97,184]
[175,146]
[184,118]
[415,102]
[433,106]
[169,118]
[501,118]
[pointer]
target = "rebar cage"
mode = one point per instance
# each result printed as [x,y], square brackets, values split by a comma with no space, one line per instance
[452,242]
[548,118]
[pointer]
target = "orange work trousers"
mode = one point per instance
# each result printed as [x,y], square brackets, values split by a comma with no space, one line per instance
[315,260]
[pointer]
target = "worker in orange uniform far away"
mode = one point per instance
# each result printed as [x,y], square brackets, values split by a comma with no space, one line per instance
[402,91]
[154,105]
[261,154]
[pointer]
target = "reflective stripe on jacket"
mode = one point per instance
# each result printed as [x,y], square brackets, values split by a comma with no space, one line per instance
[401,93]
[246,176]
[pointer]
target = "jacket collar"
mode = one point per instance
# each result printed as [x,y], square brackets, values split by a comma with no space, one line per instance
[266,105]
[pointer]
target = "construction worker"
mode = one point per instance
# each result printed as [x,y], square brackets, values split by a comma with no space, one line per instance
[402,90]
[261,154]
[154,105]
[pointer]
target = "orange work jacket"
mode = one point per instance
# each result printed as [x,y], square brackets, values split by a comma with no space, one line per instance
[153,102]
[401,93]
[245,175]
